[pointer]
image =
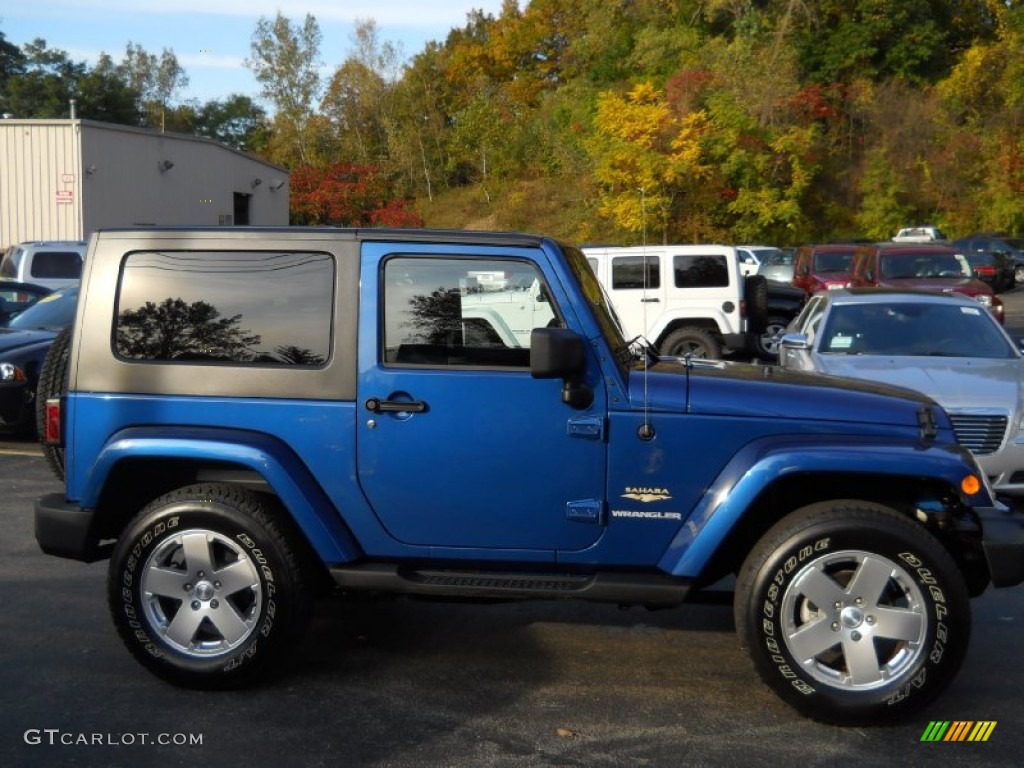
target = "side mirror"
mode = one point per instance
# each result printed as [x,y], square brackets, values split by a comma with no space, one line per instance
[805,269]
[560,353]
[556,353]
[798,341]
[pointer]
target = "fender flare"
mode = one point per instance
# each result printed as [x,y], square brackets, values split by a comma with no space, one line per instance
[764,462]
[265,455]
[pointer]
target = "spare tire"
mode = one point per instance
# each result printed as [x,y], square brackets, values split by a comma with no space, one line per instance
[755,294]
[53,382]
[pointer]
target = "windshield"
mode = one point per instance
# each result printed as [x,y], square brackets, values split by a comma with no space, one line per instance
[55,311]
[917,329]
[833,262]
[597,298]
[777,258]
[907,266]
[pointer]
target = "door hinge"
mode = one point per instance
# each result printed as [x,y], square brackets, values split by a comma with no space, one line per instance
[587,427]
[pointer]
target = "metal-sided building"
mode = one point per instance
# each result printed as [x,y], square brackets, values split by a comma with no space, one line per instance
[63,179]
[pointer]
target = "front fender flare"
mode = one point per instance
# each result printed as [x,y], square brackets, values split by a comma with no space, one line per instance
[277,464]
[763,462]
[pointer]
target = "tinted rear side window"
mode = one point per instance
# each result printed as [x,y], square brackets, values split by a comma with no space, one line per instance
[695,271]
[636,272]
[234,307]
[57,265]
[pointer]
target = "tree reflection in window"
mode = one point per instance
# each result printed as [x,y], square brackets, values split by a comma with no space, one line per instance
[242,307]
[177,330]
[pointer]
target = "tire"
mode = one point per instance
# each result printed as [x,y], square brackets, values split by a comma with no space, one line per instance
[766,343]
[695,342]
[755,294]
[179,619]
[53,382]
[842,661]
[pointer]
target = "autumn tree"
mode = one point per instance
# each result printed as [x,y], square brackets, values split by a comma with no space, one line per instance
[346,194]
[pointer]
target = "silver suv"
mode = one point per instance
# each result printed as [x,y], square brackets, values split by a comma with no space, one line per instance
[54,264]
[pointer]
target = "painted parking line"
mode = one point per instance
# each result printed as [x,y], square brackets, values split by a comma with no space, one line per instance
[12,452]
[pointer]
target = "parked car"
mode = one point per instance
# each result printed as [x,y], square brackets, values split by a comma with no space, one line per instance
[23,346]
[752,257]
[777,266]
[686,299]
[823,267]
[54,263]
[1013,247]
[16,297]
[993,268]
[943,345]
[923,267]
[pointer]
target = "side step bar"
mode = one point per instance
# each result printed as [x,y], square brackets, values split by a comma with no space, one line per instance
[642,589]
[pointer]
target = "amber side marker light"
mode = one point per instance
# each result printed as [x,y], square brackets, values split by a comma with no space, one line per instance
[970,485]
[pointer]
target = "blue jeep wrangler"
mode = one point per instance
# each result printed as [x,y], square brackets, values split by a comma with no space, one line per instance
[248,417]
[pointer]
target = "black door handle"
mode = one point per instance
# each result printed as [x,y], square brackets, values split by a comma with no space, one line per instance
[649,301]
[374,405]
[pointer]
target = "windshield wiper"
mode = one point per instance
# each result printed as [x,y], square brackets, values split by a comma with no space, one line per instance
[636,348]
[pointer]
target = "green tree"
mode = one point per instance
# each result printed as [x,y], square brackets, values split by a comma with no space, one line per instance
[285,60]
[157,80]
[237,121]
[48,79]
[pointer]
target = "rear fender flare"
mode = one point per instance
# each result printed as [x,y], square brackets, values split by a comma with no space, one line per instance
[286,475]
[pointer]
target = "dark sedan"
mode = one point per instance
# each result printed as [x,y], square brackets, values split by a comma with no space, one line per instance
[23,345]
[16,297]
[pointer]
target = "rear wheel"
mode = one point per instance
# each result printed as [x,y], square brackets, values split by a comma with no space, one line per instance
[53,382]
[852,613]
[695,342]
[766,343]
[205,589]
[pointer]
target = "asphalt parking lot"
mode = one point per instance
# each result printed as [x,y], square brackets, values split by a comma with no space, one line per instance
[404,683]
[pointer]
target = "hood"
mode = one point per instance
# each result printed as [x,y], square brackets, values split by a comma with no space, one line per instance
[832,278]
[13,339]
[956,383]
[967,286]
[759,391]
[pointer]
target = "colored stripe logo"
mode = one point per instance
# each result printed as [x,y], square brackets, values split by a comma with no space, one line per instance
[958,730]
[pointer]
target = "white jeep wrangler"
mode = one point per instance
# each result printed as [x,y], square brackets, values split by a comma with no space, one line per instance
[686,299]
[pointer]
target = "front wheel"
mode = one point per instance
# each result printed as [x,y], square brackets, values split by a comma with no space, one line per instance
[205,589]
[852,613]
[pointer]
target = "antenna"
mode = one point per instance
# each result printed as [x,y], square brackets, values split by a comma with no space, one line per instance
[646,431]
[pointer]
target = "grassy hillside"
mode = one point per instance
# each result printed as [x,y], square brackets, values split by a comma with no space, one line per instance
[556,207]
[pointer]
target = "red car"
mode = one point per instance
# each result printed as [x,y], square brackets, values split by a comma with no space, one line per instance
[922,267]
[822,267]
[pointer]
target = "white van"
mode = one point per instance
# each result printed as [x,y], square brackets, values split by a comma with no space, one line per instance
[685,299]
[53,264]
